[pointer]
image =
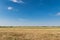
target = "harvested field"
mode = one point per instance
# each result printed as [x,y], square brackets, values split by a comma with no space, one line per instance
[29,34]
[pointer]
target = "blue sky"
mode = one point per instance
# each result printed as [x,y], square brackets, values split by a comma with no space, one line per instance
[30,12]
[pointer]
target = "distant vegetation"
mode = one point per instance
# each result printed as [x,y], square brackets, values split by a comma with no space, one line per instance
[29,26]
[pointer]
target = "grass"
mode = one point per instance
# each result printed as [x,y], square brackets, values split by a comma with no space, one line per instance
[31,33]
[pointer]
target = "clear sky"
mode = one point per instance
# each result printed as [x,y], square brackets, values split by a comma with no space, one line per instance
[30,12]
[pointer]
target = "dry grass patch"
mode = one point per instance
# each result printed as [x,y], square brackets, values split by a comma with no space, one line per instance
[29,34]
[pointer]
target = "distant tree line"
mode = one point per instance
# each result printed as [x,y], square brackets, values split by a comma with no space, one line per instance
[29,26]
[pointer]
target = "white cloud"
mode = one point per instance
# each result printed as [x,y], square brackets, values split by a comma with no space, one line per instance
[10,8]
[17,1]
[14,0]
[58,14]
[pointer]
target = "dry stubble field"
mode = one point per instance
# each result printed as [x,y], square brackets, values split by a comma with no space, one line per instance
[29,34]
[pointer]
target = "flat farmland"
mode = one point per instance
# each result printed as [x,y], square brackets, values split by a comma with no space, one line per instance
[29,34]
